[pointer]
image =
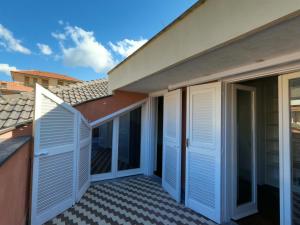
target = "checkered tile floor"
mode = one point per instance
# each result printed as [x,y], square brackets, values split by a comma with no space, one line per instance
[135,200]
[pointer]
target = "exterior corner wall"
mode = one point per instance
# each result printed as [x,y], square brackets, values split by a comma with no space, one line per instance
[15,180]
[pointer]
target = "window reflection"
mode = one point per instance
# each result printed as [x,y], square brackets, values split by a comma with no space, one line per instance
[102,148]
[244,147]
[295,147]
[129,147]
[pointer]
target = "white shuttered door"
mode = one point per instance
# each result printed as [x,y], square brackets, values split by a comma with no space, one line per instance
[203,171]
[53,184]
[172,144]
[84,158]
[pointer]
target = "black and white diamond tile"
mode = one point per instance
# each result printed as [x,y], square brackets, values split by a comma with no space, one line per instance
[136,200]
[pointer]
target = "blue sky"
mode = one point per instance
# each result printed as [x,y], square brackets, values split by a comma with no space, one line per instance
[79,38]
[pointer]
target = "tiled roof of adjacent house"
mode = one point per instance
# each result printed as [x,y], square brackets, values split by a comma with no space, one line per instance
[18,109]
[45,74]
[81,92]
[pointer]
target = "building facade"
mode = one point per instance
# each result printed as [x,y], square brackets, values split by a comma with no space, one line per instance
[30,77]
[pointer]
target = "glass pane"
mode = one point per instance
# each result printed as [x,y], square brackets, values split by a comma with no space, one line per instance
[102,149]
[244,147]
[295,147]
[129,140]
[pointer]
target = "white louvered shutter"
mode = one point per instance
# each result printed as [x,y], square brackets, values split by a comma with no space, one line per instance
[83,158]
[171,176]
[203,171]
[54,163]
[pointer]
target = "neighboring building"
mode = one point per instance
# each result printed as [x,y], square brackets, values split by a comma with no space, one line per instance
[46,79]
[8,88]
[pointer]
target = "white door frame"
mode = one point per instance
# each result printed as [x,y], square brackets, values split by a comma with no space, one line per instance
[251,207]
[111,174]
[284,156]
[115,140]
[284,149]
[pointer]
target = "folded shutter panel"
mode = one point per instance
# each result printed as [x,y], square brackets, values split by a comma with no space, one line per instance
[171,173]
[84,158]
[54,164]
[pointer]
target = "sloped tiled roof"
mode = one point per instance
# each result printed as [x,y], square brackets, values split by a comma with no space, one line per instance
[81,92]
[18,109]
[45,74]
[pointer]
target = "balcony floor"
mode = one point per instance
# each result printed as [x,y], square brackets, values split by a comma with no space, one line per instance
[137,200]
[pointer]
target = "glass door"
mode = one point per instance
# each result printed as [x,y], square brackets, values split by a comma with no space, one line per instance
[290,149]
[129,143]
[116,146]
[244,152]
[102,151]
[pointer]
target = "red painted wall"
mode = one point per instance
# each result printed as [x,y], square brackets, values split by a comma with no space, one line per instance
[97,109]
[14,187]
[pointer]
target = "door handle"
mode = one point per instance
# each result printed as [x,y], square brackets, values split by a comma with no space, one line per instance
[41,154]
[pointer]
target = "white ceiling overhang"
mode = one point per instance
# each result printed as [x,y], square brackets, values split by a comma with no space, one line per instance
[177,58]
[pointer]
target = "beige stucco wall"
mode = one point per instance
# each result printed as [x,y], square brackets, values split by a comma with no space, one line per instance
[21,78]
[209,25]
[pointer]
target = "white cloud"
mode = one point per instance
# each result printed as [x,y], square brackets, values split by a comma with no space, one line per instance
[5,68]
[10,43]
[85,50]
[59,36]
[126,47]
[45,49]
